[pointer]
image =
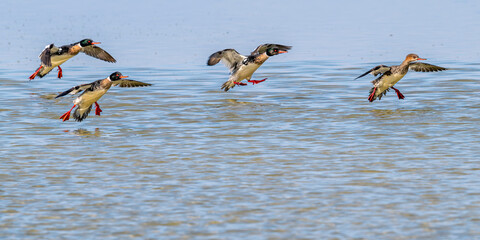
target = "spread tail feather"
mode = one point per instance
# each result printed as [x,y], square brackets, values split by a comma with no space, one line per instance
[81,113]
[44,71]
[377,95]
[227,85]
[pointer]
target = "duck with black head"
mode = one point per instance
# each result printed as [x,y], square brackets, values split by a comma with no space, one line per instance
[53,56]
[242,67]
[92,92]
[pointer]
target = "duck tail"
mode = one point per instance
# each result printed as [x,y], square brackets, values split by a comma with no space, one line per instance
[44,71]
[227,85]
[81,113]
[373,94]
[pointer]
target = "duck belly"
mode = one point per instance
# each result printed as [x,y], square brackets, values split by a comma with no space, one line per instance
[388,82]
[246,71]
[56,61]
[88,98]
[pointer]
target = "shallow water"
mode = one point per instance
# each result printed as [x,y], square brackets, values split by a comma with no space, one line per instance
[302,155]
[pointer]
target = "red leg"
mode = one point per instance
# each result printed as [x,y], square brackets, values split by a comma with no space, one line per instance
[257,81]
[97,109]
[372,96]
[66,115]
[35,73]
[240,83]
[60,75]
[399,94]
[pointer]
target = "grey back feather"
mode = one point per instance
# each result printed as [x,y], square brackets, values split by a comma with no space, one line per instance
[45,55]
[99,53]
[425,67]
[80,88]
[380,69]
[230,57]
[263,48]
[130,83]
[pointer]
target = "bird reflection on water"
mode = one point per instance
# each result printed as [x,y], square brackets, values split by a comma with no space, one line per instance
[85,132]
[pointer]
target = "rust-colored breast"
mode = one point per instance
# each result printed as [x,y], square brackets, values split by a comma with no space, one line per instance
[260,59]
[105,84]
[74,50]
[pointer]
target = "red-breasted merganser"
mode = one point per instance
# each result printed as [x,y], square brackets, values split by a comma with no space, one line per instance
[243,67]
[391,75]
[53,56]
[93,92]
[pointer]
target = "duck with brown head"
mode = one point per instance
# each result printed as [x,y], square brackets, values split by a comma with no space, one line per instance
[389,76]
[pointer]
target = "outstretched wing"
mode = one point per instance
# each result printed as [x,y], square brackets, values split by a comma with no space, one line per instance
[76,89]
[425,67]
[130,83]
[230,57]
[263,48]
[380,69]
[46,55]
[98,52]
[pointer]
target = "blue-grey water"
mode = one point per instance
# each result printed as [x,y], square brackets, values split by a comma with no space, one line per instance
[303,155]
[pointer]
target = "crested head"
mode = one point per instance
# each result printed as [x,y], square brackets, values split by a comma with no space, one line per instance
[413,57]
[274,51]
[116,76]
[87,42]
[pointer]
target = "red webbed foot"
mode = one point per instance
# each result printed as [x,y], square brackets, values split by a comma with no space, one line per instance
[399,94]
[35,73]
[256,81]
[66,115]
[97,109]
[60,75]
[372,95]
[240,83]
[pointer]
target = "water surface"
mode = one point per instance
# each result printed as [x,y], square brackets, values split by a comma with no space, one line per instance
[302,155]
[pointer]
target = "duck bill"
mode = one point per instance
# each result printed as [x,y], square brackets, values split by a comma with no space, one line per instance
[281,51]
[421,59]
[93,43]
[124,77]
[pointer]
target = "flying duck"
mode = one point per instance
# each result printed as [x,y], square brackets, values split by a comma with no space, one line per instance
[389,76]
[92,92]
[53,56]
[243,67]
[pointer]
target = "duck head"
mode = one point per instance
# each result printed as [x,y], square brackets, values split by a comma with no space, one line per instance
[275,51]
[116,76]
[87,42]
[413,57]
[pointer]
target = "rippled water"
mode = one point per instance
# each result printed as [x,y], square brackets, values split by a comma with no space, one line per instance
[303,155]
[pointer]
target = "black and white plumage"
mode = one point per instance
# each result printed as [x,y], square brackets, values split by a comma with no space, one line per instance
[53,56]
[390,75]
[242,67]
[93,91]
[380,69]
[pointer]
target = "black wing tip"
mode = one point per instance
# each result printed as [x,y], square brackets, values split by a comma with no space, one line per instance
[212,62]
[363,75]
[283,47]
[215,58]
[145,85]
[61,95]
